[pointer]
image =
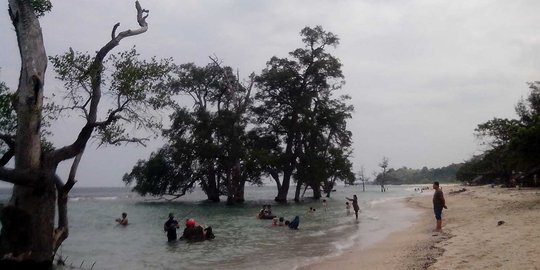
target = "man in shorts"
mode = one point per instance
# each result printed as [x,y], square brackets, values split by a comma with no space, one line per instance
[438,205]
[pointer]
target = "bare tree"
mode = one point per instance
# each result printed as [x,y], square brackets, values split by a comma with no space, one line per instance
[361,175]
[28,232]
[383,164]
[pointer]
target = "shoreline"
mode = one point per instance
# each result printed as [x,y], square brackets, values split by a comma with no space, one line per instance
[471,236]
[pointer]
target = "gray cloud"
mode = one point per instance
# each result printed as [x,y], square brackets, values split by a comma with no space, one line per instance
[421,74]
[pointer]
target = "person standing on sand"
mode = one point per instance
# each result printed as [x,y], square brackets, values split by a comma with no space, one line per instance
[438,205]
[354,205]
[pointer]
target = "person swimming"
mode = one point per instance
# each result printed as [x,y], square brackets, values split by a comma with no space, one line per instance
[123,220]
[294,223]
[266,212]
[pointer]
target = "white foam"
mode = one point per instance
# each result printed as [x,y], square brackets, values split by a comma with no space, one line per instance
[110,198]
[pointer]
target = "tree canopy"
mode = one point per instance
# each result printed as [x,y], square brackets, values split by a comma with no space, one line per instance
[513,152]
[284,124]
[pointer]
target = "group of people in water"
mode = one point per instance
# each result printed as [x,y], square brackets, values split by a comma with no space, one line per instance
[266,213]
[194,232]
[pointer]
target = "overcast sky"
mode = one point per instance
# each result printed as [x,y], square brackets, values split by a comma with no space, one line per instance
[422,74]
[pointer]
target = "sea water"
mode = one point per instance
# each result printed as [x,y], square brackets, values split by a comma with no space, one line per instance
[242,241]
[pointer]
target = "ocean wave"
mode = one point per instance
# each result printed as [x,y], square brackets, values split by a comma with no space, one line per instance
[98,198]
[382,200]
[317,233]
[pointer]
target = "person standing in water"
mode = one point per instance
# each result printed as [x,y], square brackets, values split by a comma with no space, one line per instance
[438,204]
[123,220]
[170,227]
[355,205]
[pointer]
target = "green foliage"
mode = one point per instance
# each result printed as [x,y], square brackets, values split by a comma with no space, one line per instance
[41,7]
[515,145]
[159,175]
[500,131]
[209,140]
[8,120]
[8,117]
[296,106]
[225,140]
[425,175]
[135,89]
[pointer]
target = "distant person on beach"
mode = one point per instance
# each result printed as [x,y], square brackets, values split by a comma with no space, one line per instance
[123,220]
[170,227]
[438,205]
[355,205]
[324,205]
[348,207]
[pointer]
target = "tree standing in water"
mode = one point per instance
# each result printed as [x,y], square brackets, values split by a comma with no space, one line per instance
[383,165]
[28,233]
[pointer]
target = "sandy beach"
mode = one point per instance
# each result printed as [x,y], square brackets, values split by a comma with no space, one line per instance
[483,228]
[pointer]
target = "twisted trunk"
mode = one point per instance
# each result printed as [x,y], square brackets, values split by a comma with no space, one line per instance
[28,237]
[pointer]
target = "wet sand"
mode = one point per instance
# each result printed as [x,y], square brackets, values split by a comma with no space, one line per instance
[471,239]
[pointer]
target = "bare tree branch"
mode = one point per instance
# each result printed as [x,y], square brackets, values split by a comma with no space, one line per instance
[61,232]
[113,34]
[10,141]
[7,157]
[131,140]
[94,72]
[19,177]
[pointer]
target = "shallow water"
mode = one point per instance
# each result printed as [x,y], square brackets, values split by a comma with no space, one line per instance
[242,241]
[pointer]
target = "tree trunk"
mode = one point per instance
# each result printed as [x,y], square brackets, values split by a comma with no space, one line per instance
[28,237]
[298,190]
[239,182]
[283,190]
[316,186]
[27,230]
[212,190]
[31,210]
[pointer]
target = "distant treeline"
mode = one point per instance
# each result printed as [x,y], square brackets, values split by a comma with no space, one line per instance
[425,175]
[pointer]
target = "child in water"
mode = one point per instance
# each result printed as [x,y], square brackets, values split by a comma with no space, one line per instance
[348,207]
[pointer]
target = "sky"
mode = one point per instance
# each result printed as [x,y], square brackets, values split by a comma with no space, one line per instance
[421,74]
